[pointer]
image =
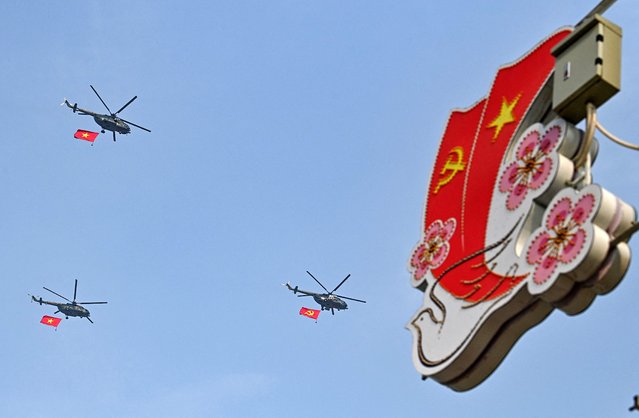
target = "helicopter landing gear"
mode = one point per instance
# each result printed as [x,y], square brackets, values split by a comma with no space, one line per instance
[102,131]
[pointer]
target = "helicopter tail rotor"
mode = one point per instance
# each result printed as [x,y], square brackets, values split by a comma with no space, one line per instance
[288,286]
[66,102]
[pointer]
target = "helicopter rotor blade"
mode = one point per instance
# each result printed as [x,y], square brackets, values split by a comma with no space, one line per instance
[346,297]
[127,103]
[137,126]
[75,289]
[318,282]
[56,293]
[96,93]
[303,296]
[90,303]
[341,283]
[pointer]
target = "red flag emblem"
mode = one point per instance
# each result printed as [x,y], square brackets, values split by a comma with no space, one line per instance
[85,135]
[311,313]
[50,320]
[466,169]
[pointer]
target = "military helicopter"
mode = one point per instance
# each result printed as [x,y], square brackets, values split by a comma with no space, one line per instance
[328,301]
[111,122]
[72,308]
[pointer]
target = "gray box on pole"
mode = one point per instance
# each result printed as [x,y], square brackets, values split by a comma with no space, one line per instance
[587,68]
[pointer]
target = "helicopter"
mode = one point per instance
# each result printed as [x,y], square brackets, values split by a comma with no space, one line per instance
[72,308]
[328,301]
[111,122]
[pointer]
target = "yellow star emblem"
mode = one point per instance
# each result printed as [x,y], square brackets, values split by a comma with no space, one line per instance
[50,321]
[85,135]
[505,115]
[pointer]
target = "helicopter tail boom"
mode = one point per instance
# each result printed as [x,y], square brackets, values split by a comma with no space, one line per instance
[292,289]
[76,109]
[44,302]
[74,106]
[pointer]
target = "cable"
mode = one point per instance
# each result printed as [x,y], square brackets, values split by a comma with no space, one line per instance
[616,139]
[593,124]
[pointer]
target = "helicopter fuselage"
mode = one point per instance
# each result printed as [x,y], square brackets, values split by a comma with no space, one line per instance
[70,309]
[328,302]
[110,123]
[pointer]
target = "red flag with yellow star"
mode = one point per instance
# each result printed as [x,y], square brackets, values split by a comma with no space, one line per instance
[50,320]
[85,135]
[311,313]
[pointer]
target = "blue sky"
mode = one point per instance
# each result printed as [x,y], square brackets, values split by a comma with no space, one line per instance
[286,136]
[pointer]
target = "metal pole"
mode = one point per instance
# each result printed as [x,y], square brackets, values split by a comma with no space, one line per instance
[599,9]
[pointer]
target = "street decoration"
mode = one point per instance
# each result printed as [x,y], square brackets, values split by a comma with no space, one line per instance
[513,226]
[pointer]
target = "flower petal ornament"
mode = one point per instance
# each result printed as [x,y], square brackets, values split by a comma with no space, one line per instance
[432,252]
[571,251]
[537,162]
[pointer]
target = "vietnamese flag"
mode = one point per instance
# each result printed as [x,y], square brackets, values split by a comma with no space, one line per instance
[86,135]
[50,320]
[311,313]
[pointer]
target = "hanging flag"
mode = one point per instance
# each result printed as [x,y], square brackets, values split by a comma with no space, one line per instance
[311,313]
[86,135]
[50,320]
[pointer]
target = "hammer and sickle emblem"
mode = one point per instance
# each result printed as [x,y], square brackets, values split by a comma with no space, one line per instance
[309,313]
[454,164]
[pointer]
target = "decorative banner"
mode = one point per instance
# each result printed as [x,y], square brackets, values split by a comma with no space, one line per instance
[85,135]
[512,228]
[311,313]
[50,320]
